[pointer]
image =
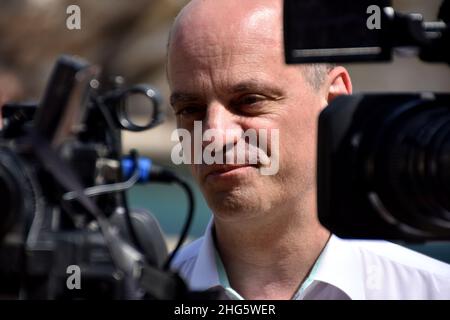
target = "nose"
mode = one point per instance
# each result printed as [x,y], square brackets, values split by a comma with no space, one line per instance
[220,126]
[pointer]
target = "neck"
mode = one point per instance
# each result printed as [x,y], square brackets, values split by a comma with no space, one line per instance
[270,258]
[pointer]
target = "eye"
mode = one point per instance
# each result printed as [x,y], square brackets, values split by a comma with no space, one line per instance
[250,99]
[189,110]
[249,103]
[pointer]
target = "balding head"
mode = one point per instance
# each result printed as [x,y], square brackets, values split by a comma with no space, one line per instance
[234,20]
[229,18]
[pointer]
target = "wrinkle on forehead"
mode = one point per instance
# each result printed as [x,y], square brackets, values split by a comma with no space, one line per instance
[241,37]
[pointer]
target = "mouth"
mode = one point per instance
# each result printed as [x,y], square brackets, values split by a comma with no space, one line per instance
[226,171]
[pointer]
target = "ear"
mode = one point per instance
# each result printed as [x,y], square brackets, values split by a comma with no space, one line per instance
[338,83]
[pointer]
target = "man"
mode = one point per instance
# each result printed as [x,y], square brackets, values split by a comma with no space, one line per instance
[226,69]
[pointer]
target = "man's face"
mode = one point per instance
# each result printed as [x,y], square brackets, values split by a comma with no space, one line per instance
[229,73]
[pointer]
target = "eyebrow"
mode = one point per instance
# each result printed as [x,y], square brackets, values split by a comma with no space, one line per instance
[244,86]
[256,86]
[178,97]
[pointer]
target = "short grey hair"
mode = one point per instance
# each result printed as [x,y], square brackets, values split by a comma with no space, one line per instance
[316,73]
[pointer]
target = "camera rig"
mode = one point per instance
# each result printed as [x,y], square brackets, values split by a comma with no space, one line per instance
[64,209]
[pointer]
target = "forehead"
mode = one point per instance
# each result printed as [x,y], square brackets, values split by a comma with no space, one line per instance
[247,44]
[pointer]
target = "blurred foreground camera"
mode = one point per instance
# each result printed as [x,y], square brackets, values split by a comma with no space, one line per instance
[383,159]
[66,231]
[71,138]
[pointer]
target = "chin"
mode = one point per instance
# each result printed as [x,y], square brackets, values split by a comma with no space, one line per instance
[232,203]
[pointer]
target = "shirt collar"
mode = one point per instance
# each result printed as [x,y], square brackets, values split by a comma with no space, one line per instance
[205,274]
[338,267]
[341,268]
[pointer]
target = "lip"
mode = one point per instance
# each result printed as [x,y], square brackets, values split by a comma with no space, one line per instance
[225,170]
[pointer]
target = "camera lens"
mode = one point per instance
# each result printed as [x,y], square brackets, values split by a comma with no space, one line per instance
[411,165]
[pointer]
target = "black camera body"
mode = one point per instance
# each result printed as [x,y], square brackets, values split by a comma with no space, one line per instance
[383,168]
[45,237]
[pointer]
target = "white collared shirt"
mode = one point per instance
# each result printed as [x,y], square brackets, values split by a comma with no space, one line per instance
[346,269]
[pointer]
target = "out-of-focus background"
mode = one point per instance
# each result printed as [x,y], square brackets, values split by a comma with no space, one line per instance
[128,38]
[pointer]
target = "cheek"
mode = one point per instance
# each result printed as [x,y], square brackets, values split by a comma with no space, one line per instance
[298,136]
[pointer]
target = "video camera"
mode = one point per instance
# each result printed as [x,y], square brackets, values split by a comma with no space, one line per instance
[383,159]
[60,162]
